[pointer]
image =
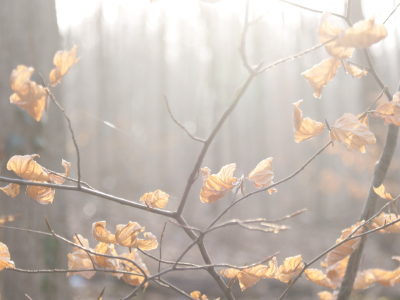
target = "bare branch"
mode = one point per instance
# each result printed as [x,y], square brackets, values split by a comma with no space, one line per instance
[391,13]
[161,239]
[310,9]
[369,107]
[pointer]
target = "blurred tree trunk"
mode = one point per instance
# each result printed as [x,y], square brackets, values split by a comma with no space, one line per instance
[29,35]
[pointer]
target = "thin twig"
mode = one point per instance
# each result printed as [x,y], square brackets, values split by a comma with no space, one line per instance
[178,123]
[358,65]
[165,261]
[172,287]
[71,179]
[369,107]
[73,271]
[391,13]
[161,239]
[310,9]
[242,49]
[101,294]
[77,237]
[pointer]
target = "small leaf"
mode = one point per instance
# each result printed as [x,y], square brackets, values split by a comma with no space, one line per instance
[157,199]
[351,133]
[101,234]
[218,185]
[381,192]
[291,267]
[133,279]
[58,179]
[263,174]
[63,60]
[384,219]
[149,243]
[318,277]
[327,295]
[107,262]
[363,34]
[79,259]
[354,70]
[304,129]
[390,111]
[319,75]
[11,190]
[5,261]
[43,195]
[27,168]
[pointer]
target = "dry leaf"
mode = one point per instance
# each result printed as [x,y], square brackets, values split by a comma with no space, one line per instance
[149,243]
[390,111]
[319,75]
[336,272]
[28,95]
[364,279]
[43,195]
[79,259]
[304,129]
[354,135]
[107,262]
[58,179]
[354,70]
[11,190]
[263,174]
[318,277]
[218,185]
[328,31]
[384,219]
[346,248]
[157,199]
[133,279]
[63,60]
[197,295]
[5,261]
[364,119]
[381,192]
[363,34]
[250,276]
[27,168]
[101,234]
[327,295]
[127,235]
[9,218]
[387,278]
[291,267]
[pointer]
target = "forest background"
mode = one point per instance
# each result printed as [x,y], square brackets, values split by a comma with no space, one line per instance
[131,56]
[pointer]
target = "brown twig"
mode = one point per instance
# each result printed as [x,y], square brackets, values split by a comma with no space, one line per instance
[391,13]
[369,107]
[71,179]
[161,239]
[310,9]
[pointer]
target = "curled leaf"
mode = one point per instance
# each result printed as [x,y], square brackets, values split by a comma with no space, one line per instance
[11,190]
[250,276]
[318,277]
[304,129]
[319,75]
[390,111]
[63,60]
[157,199]
[28,95]
[218,185]
[133,279]
[291,267]
[149,243]
[107,262]
[385,277]
[42,194]
[384,219]
[5,261]
[79,259]
[263,174]
[101,234]
[381,192]
[364,279]
[351,133]
[336,272]
[127,234]
[363,34]
[58,179]
[354,70]
[327,295]
[27,168]
[198,296]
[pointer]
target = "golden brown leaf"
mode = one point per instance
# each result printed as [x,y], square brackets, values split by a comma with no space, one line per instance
[364,279]
[385,277]
[336,272]
[304,129]
[28,95]
[127,235]
[63,60]
[43,195]
[197,295]
[11,190]
[157,199]
[5,261]
[79,259]
[364,119]
[6,219]
[351,133]
[354,70]
[58,179]
[291,267]
[381,192]
[318,277]
[384,219]
[218,185]
[327,295]
[390,111]
[319,75]
[107,262]
[263,174]
[363,34]
[250,276]
[27,168]
[149,243]
[328,31]
[133,279]
[346,248]
[101,234]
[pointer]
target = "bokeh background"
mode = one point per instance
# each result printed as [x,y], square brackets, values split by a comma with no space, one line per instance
[133,52]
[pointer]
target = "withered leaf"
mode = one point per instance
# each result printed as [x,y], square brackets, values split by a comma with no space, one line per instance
[381,192]
[318,277]
[149,243]
[157,199]
[364,279]
[384,219]
[351,133]
[127,234]
[354,70]
[27,168]
[11,190]
[218,185]
[385,277]
[107,262]
[363,118]
[133,279]
[28,95]
[58,179]
[6,219]
[328,31]
[63,60]
[319,75]
[336,272]
[5,261]
[250,276]
[344,249]
[327,295]
[291,267]
[198,296]
[43,195]
[79,259]
[101,234]
[390,111]
[263,174]
[304,129]
[363,34]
